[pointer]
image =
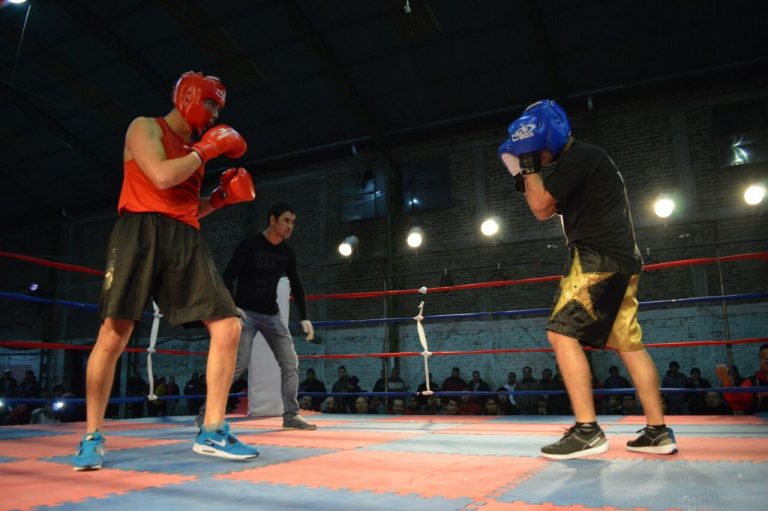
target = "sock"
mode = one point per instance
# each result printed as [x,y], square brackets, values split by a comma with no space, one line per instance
[587,427]
[91,436]
[658,428]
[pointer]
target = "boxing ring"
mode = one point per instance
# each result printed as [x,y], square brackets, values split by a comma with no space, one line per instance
[405,462]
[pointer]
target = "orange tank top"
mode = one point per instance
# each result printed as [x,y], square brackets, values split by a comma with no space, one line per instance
[180,202]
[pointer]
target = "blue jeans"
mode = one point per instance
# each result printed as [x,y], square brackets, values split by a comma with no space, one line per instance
[280,342]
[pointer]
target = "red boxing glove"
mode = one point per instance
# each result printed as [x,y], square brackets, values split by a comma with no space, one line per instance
[221,139]
[235,185]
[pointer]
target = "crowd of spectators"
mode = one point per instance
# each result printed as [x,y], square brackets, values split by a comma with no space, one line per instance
[26,402]
[475,396]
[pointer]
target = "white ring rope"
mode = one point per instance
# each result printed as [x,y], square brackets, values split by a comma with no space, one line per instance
[151,349]
[423,340]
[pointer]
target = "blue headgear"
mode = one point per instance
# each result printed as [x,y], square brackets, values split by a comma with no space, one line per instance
[543,125]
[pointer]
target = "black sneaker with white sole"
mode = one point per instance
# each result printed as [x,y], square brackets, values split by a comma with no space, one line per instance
[654,440]
[577,442]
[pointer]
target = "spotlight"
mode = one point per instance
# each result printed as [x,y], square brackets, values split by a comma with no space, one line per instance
[17,1]
[348,246]
[490,227]
[754,195]
[664,207]
[58,405]
[415,237]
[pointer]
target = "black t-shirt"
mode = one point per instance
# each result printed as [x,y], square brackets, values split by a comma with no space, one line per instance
[593,203]
[254,270]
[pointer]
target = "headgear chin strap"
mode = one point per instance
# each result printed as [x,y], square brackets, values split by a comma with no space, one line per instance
[198,88]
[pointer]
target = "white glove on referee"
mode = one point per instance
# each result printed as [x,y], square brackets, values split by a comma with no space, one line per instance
[306,325]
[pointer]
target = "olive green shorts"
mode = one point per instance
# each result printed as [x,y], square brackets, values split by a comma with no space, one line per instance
[153,256]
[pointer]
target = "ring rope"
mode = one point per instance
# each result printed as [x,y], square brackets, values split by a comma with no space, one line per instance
[679,344]
[435,317]
[757,256]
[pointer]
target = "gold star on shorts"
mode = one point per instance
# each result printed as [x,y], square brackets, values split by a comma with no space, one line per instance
[575,287]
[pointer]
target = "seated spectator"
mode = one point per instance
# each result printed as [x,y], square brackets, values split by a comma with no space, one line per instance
[306,403]
[54,410]
[615,380]
[412,406]
[491,406]
[745,402]
[398,406]
[674,379]
[527,403]
[332,405]
[380,385]
[434,387]
[629,405]
[9,386]
[477,384]
[505,405]
[19,413]
[342,385]
[467,406]
[172,391]
[195,386]
[396,383]
[454,382]
[29,387]
[433,406]
[361,405]
[312,384]
[597,398]
[541,405]
[558,404]
[612,404]
[452,406]
[736,377]
[510,387]
[696,399]
[376,406]
[714,404]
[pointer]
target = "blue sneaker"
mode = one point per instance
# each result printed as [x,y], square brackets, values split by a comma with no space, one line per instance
[222,444]
[90,453]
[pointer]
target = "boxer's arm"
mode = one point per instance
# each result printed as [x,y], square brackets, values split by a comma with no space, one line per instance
[143,143]
[204,207]
[542,203]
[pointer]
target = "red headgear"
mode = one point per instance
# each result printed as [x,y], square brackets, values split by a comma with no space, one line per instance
[200,88]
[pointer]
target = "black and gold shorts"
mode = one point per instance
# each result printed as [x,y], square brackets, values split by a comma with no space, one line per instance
[596,306]
[152,255]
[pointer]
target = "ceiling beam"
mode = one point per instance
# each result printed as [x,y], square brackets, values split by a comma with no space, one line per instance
[314,38]
[23,101]
[552,70]
[212,38]
[97,26]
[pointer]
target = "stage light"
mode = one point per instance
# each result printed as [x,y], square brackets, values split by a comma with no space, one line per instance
[490,227]
[754,194]
[664,207]
[415,237]
[348,246]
